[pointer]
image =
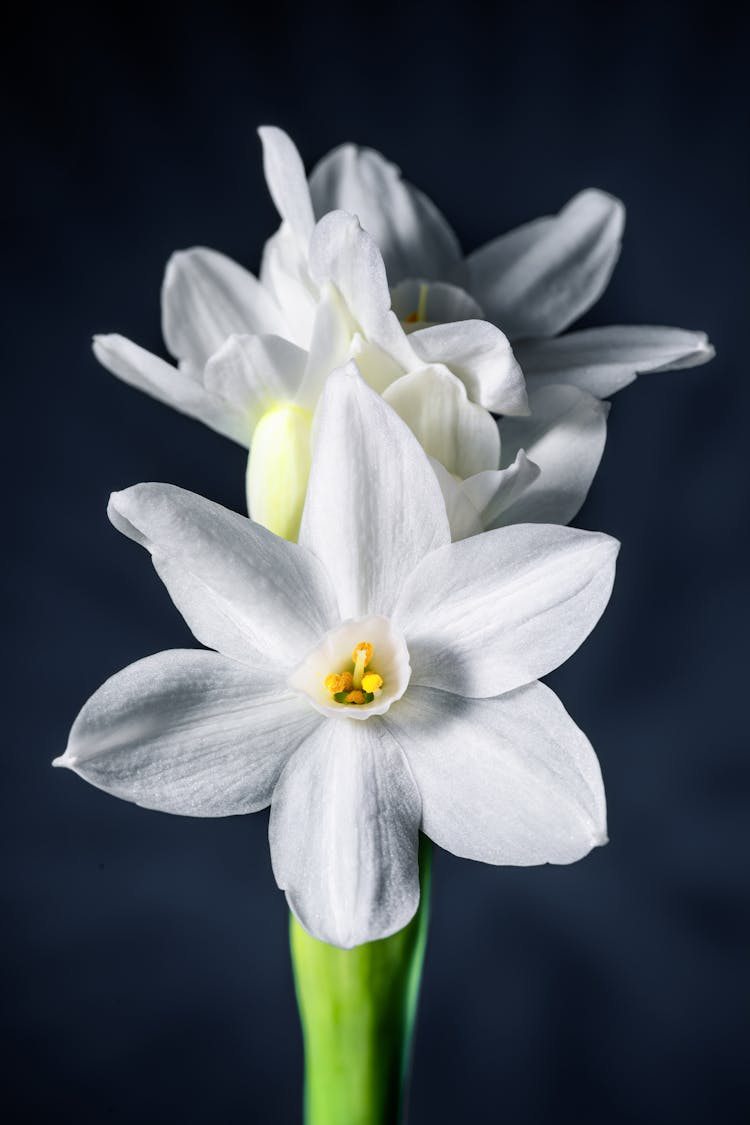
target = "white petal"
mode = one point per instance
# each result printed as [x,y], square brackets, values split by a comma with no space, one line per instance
[343,834]
[604,360]
[440,302]
[477,503]
[255,374]
[207,297]
[374,506]
[241,590]
[332,332]
[510,780]
[482,358]
[190,733]
[287,183]
[565,436]
[414,238]
[177,388]
[344,255]
[284,274]
[491,493]
[460,434]
[501,609]
[463,517]
[377,367]
[538,279]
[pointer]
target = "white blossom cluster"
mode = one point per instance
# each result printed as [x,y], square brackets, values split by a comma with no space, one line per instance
[419,433]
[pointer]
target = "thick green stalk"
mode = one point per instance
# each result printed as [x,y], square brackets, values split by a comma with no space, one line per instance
[358,1009]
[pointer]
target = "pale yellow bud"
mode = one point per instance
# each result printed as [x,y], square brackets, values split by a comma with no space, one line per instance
[278,469]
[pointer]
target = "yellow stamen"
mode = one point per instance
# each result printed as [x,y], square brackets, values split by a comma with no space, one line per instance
[361,657]
[356,685]
[363,647]
[338,682]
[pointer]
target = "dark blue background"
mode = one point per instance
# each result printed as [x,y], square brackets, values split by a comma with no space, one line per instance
[147,955]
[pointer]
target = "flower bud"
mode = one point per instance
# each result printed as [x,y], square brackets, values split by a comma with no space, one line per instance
[278,469]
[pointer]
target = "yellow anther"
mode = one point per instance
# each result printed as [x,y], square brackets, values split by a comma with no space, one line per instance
[412,318]
[335,682]
[363,647]
[355,697]
[372,682]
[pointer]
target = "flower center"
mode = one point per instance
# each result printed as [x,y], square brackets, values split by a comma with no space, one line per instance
[356,686]
[349,678]
[420,313]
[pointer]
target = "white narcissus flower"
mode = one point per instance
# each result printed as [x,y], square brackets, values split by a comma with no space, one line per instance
[369,681]
[533,283]
[261,387]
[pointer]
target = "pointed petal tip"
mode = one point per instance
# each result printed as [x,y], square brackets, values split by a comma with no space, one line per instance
[115,499]
[524,463]
[269,133]
[106,345]
[346,937]
[610,544]
[119,510]
[704,350]
[597,838]
[603,196]
[177,257]
[65,761]
[347,376]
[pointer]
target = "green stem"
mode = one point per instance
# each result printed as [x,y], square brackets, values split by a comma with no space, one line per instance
[358,1009]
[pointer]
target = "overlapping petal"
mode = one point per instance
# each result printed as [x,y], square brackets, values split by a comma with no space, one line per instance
[414,238]
[178,388]
[565,436]
[207,297]
[604,360]
[255,374]
[283,272]
[539,278]
[479,353]
[505,780]
[242,590]
[374,507]
[475,504]
[455,431]
[287,183]
[189,732]
[333,330]
[494,612]
[343,834]
[344,255]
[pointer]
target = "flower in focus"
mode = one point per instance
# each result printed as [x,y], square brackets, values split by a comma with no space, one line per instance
[369,681]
